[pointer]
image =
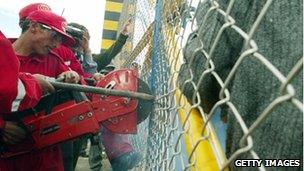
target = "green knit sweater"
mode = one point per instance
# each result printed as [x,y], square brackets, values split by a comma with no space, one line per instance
[254,87]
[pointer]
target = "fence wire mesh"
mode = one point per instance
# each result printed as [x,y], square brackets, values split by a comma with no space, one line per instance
[238,64]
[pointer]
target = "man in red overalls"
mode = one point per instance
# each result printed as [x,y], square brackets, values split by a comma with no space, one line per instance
[43,32]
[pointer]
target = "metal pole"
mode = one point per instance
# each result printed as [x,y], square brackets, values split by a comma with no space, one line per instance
[156,39]
[104,91]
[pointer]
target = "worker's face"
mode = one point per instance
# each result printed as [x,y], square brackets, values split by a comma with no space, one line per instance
[44,39]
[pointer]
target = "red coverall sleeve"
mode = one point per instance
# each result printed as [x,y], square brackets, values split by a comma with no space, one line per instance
[17,92]
[9,66]
[32,89]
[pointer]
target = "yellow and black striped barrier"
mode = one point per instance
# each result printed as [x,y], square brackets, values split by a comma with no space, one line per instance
[113,11]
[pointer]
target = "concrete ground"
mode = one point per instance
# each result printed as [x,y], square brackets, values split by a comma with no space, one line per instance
[83,165]
[83,162]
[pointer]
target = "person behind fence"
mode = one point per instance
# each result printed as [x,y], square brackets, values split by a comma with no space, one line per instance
[253,87]
[121,155]
[42,31]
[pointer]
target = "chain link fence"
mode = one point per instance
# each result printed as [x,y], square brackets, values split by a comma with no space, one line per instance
[210,63]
